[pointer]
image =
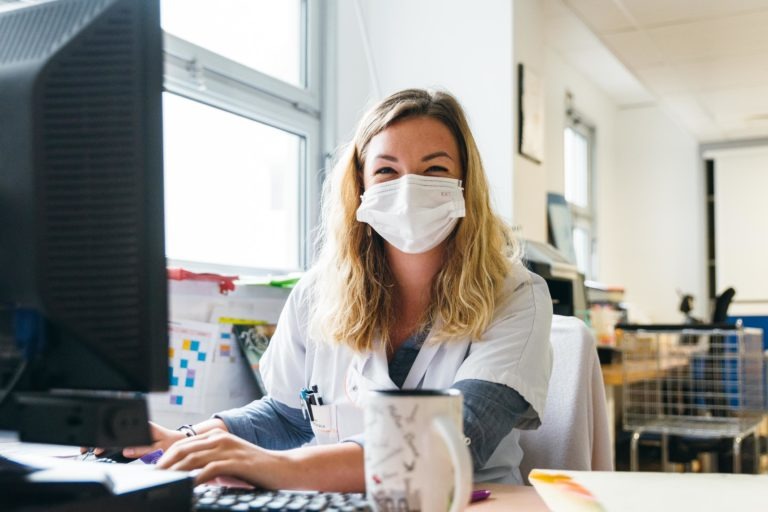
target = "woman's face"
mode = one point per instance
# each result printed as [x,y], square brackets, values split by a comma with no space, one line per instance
[417,145]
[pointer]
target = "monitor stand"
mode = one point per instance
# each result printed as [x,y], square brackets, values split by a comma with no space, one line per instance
[78,418]
[33,483]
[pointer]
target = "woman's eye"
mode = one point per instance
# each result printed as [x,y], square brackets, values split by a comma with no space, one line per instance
[384,170]
[436,168]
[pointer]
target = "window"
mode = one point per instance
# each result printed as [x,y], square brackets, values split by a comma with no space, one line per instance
[242,121]
[579,141]
[241,30]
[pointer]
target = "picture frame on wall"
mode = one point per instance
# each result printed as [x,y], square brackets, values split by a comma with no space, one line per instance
[560,225]
[530,103]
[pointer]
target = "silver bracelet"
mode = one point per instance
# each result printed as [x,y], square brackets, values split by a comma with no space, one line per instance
[188,430]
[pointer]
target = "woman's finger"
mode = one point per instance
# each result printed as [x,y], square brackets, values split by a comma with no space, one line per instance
[196,460]
[211,471]
[134,452]
[182,448]
[162,438]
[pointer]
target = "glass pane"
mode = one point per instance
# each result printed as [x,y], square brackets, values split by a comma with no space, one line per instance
[262,34]
[576,168]
[582,247]
[231,188]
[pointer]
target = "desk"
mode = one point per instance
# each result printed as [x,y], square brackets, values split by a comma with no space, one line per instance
[509,497]
[617,374]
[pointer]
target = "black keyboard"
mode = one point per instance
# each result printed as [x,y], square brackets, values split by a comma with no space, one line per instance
[209,498]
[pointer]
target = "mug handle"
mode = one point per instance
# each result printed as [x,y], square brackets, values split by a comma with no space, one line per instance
[462,465]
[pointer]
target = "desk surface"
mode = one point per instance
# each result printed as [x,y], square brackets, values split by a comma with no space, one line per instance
[509,497]
[616,374]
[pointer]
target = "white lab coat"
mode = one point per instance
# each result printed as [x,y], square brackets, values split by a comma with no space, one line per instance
[514,351]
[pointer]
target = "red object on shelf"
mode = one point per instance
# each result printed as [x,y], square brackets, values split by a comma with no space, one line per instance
[226,283]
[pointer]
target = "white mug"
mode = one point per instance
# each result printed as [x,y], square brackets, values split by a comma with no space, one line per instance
[416,457]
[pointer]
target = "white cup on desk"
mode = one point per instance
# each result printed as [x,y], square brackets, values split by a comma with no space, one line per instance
[416,457]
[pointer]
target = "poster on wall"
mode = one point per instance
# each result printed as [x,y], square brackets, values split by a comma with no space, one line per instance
[530,111]
[190,352]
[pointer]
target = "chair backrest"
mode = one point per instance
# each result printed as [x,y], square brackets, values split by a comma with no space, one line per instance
[574,431]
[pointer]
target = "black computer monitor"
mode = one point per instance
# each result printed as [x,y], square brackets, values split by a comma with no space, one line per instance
[83,289]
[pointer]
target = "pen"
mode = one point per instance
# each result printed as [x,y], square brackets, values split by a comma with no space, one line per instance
[479,495]
[306,402]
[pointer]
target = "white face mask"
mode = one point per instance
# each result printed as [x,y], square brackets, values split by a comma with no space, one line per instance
[413,213]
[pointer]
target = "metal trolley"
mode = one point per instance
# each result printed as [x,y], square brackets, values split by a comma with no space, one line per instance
[694,381]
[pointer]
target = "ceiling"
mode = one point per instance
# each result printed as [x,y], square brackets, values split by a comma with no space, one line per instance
[704,61]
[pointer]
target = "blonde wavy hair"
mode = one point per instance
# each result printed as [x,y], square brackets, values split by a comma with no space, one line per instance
[352,299]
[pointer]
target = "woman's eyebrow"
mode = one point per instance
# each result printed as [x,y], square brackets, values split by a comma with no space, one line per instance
[436,155]
[387,157]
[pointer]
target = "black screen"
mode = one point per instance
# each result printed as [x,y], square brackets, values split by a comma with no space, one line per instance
[83,290]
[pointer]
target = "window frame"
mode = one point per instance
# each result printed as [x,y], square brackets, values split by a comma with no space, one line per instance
[585,218]
[198,74]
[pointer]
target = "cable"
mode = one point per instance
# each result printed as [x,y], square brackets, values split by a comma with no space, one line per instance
[5,393]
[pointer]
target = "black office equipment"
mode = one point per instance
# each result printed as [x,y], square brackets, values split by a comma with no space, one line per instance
[565,283]
[83,290]
[82,257]
[67,486]
[722,303]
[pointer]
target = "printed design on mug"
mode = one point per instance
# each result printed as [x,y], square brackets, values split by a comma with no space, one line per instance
[397,458]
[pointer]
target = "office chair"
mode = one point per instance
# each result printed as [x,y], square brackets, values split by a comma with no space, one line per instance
[722,302]
[574,432]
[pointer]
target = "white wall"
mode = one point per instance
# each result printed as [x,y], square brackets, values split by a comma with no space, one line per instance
[464,47]
[530,178]
[654,216]
[741,224]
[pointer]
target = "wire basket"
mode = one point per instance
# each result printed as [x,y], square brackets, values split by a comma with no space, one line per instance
[692,381]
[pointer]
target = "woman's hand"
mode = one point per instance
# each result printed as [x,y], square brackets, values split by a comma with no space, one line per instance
[162,439]
[219,453]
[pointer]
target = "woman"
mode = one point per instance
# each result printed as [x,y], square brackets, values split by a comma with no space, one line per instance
[418,284]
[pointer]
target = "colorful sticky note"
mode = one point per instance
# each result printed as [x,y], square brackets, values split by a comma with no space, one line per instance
[170,352]
[201,356]
[226,335]
[185,344]
[191,373]
[194,346]
[184,363]
[174,381]
[190,383]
